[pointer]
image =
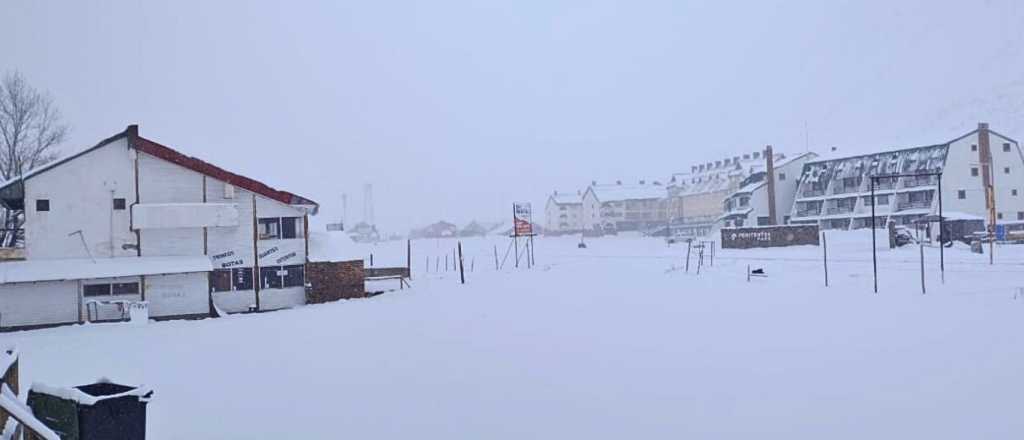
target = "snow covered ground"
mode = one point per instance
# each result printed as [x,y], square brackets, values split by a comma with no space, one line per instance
[613,341]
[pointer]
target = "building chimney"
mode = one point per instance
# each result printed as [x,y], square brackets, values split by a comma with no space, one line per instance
[770,167]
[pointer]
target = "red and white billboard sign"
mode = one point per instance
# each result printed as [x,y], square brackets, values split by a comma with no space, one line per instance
[522,216]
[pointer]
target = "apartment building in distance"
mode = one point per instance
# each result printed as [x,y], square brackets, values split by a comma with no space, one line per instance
[835,193]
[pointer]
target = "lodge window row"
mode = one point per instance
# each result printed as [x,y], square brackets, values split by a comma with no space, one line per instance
[43,205]
[273,228]
[110,289]
[271,277]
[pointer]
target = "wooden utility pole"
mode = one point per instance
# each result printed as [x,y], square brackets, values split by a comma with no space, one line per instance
[988,182]
[462,266]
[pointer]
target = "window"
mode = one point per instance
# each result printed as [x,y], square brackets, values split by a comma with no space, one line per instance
[108,289]
[291,227]
[999,216]
[882,199]
[1006,170]
[1006,147]
[974,171]
[241,278]
[762,221]
[961,194]
[42,205]
[125,288]
[226,280]
[270,277]
[974,147]
[1013,192]
[1020,215]
[273,228]
[269,228]
[96,290]
[782,176]
[220,280]
[119,204]
[276,277]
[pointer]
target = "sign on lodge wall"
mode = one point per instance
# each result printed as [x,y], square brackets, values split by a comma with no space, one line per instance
[770,236]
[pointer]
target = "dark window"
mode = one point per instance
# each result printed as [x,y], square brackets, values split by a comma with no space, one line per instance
[220,280]
[999,216]
[782,176]
[762,221]
[1006,147]
[295,276]
[291,227]
[42,205]
[739,222]
[96,290]
[241,278]
[119,204]
[125,288]
[1013,192]
[961,194]
[1006,170]
[270,228]
[882,199]
[974,147]
[270,277]
[785,220]
[974,172]
[1020,215]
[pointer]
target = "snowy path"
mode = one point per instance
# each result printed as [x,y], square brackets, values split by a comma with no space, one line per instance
[595,343]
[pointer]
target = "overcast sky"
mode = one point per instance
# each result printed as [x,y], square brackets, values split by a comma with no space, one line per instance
[454,109]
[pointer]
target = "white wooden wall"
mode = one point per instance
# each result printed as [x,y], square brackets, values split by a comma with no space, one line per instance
[81,194]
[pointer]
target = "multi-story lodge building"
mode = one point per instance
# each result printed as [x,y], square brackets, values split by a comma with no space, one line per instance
[563,213]
[750,205]
[695,199]
[836,193]
[130,220]
[609,208]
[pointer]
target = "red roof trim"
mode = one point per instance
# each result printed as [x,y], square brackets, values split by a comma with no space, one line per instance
[171,155]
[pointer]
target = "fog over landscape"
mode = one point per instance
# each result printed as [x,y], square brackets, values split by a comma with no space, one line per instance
[455,109]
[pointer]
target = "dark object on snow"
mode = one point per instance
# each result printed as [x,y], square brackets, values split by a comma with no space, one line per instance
[756,273]
[582,245]
[976,247]
[102,410]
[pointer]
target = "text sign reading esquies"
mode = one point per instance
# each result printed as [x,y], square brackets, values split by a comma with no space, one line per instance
[522,218]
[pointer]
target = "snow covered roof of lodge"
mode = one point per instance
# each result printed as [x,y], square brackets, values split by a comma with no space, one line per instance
[29,271]
[618,192]
[171,155]
[567,198]
[334,246]
[928,158]
[721,175]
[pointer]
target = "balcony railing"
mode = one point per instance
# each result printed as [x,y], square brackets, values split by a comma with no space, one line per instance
[813,192]
[883,184]
[916,204]
[845,189]
[914,182]
[808,212]
[839,210]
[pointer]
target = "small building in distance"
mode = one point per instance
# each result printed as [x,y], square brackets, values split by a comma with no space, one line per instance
[618,207]
[835,193]
[441,229]
[563,213]
[695,198]
[749,205]
[364,232]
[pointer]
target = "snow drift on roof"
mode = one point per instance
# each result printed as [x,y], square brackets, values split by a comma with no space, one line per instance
[83,268]
[608,193]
